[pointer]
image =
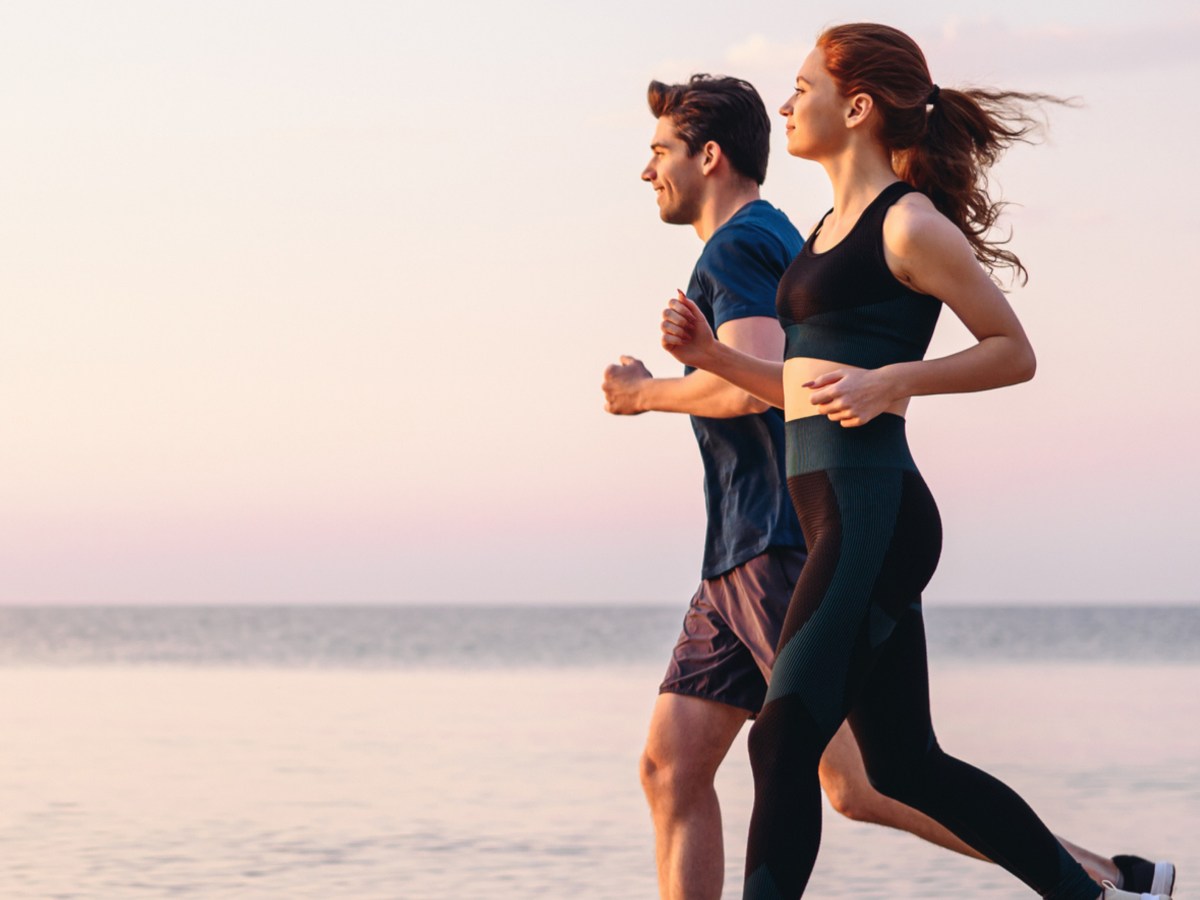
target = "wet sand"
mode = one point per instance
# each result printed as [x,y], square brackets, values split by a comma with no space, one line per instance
[162,781]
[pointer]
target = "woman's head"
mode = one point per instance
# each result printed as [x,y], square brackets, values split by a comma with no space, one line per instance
[886,65]
[819,117]
[941,141]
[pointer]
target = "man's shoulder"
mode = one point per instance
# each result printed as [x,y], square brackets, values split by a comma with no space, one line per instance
[738,273]
[758,232]
[758,224]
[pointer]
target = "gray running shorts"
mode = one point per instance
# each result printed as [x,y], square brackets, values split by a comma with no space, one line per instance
[728,643]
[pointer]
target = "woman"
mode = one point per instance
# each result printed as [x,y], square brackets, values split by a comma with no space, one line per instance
[859,306]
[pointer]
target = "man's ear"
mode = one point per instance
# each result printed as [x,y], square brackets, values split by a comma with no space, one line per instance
[860,109]
[710,156]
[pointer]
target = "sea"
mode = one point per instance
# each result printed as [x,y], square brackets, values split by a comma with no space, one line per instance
[492,752]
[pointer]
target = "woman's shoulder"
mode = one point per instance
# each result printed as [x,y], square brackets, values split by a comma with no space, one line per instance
[913,222]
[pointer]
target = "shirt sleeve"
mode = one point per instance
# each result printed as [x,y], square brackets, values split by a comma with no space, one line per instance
[742,272]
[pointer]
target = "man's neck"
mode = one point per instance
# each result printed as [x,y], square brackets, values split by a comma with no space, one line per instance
[720,206]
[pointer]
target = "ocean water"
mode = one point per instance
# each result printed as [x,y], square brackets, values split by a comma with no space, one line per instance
[500,637]
[492,753]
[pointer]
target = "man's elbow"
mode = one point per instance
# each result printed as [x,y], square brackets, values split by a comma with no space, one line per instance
[752,405]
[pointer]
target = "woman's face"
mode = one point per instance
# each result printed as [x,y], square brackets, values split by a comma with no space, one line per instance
[816,112]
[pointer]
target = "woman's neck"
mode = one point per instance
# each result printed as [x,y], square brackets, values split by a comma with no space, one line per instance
[858,174]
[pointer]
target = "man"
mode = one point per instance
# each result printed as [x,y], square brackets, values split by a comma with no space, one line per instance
[709,159]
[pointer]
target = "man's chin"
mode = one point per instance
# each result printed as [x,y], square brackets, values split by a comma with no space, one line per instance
[673,217]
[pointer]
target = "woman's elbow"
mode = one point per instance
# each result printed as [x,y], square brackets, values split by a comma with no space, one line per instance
[1026,365]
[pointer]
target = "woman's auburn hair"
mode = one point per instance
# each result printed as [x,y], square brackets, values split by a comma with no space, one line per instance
[942,141]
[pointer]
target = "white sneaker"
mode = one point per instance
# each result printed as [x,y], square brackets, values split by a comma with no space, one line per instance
[1112,892]
[1138,874]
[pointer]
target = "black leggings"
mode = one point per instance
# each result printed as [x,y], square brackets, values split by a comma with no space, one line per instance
[853,646]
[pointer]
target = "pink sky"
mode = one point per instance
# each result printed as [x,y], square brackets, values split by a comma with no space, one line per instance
[313,307]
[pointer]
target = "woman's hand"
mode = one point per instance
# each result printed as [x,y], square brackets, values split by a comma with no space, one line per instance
[851,397]
[686,334]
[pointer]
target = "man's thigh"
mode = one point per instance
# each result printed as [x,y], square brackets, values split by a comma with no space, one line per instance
[691,735]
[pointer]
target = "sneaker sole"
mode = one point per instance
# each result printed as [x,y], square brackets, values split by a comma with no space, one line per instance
[1164,878]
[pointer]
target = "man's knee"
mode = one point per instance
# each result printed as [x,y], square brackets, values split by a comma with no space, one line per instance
[689,738]
[850,793]
[673,780]
[844,779]
[648,772]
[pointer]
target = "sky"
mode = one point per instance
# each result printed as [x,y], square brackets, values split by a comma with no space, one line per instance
[309,302]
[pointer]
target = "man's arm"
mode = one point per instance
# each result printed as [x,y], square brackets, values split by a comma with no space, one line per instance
[629,388]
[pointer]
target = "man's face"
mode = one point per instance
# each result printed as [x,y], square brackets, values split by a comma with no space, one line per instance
[677,178]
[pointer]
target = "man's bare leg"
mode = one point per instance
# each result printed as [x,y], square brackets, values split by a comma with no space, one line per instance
[689,738]
[844,779]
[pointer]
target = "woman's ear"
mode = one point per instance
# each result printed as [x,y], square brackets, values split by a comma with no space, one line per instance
[859,110]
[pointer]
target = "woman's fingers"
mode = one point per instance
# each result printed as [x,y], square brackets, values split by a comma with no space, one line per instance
[825,388]
[686,302]
[675,316]
[676,328]
[822,380]
[680,335]
[685,330]
[680,311]
[825,397]
[845,417]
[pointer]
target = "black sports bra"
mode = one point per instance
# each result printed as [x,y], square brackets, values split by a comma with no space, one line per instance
[845,305]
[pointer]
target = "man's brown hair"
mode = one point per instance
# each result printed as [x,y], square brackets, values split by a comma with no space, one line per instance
[727,111]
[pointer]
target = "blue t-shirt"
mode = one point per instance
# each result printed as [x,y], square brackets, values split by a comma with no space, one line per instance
[745,488]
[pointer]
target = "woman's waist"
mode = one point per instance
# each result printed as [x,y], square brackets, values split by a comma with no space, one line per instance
[800,370]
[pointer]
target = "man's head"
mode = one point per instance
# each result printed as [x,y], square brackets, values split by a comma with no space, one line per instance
[708,127]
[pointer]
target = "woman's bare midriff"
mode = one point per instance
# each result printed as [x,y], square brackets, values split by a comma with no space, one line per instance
[799,370]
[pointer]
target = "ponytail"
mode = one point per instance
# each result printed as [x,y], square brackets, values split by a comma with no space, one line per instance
[942,141]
